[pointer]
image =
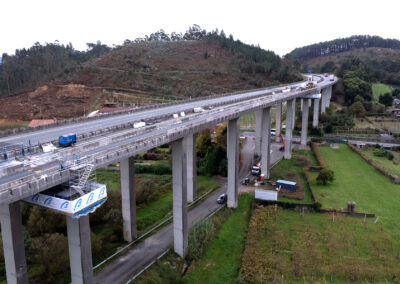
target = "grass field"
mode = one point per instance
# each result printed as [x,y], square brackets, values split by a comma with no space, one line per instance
[292,170]
[385,123]
[284,247]
[221,262]
[392,166]
[380,89]
[355,180]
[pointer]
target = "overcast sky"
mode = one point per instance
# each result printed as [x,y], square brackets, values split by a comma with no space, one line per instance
[279,25]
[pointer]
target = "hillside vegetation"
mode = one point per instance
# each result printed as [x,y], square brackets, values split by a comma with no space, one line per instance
[381,56]
[159,66]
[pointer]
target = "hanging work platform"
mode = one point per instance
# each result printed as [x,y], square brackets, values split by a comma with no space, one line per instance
[79,197]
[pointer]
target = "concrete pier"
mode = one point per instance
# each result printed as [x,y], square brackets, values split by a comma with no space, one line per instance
[233,162]
[323,100]
[316,113]
[257,150]
[80,250]
[189,144]
[179,183]
[304,123]
[289,128]
[278,120]
[266,142]
[13,243]
[127,168]
[294,114]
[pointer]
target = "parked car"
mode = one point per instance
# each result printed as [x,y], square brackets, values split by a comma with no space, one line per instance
[246,181]
[222,198]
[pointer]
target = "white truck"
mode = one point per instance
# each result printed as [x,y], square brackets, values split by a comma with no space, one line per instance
[198,109]
[139,124]
[331,77]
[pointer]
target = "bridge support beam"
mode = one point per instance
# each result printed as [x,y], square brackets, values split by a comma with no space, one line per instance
[233,163]
[278,122]
[179,184]
[316,113]
[304,123]
[289,128]
[294,114]
[324,99]
[127,168]
[328,102]
[266,142]
[301,104]
[80,251]
[258,141]
[189,143]
[13,243]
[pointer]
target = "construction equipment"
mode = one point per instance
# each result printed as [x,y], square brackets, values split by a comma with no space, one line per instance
[282,148]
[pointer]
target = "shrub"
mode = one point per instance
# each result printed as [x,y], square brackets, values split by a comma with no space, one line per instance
[199,235]
[318,155]
[315,131]
[50,251]
[390,155]
[380,152]
[146,192]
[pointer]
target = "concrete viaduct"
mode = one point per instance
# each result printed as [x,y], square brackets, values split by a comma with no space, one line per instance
[123,145]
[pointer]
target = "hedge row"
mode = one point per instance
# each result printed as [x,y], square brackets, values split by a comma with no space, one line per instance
[159,169]
[392,178]
[318,155]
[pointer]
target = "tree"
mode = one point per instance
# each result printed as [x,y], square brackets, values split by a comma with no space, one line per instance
[354,86]
[325,176]
[357,109]
[386,99]
[396,93]
[51,252]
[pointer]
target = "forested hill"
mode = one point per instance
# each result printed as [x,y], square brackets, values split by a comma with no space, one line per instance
[53,80]
[341,45]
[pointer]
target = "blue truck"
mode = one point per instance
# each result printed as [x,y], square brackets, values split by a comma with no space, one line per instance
[284,184]
[67,140]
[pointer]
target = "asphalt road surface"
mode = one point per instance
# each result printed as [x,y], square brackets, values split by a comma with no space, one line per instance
[85,127]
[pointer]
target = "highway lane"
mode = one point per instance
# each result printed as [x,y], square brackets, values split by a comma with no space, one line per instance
[85,127]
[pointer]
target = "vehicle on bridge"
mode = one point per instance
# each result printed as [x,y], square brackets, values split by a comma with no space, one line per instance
[67,140]
[331,77]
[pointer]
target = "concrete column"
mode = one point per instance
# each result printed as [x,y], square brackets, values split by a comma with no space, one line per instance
[289,129]
[323,100]
[328,102]
[13,243]
[189,143]
[301,104]
[316,112]
[294,114]
[265,146]
[80,251]
[233,163]
[127,168]
[179,183]
[304,123]
[258,142]
[278,121]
